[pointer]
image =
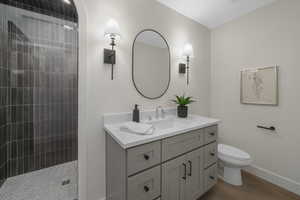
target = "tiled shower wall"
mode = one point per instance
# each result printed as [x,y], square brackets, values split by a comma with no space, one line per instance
[42,109]
[4,89]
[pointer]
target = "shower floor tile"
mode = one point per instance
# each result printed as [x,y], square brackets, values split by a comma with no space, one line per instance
[45,184]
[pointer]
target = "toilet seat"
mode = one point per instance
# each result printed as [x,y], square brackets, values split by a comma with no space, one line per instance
[232,153]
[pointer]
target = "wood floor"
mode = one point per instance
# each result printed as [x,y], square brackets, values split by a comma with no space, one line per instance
[254,188]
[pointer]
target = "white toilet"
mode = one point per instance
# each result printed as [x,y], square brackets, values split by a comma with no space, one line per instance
[233,160]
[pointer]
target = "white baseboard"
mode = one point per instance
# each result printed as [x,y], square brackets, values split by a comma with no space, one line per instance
[274,178]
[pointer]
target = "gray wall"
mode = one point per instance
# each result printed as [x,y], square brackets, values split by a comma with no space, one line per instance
[266,37]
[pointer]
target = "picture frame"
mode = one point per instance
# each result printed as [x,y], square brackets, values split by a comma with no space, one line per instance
[259,86]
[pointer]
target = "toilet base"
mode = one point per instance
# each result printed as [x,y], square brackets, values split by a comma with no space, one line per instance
[233,176]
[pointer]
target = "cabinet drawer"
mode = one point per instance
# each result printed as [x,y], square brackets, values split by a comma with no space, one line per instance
[145,186]
[210,154]
[143,157]
[210,177]
[211,134]
[181,144]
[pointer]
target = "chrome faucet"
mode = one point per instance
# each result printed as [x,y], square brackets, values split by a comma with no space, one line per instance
[162,111]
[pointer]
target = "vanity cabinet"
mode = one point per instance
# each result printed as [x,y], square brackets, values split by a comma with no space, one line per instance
[182,167]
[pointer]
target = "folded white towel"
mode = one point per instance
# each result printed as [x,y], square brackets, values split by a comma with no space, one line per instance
[138,128]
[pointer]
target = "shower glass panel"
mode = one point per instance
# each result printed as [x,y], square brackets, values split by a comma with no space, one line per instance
[38,100]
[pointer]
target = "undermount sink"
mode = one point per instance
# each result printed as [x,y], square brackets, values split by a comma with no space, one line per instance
[167,123]
[161,124]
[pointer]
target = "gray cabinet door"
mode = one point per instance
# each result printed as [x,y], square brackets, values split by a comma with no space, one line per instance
[195,171]
[174,179]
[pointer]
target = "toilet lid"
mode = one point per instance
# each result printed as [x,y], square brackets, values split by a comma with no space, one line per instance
[229,151]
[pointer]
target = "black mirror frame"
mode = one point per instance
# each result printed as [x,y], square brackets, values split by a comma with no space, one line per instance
[140,92]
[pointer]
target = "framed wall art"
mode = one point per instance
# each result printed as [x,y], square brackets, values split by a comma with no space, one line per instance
[260,86]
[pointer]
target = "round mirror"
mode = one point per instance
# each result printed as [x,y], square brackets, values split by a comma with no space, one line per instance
[151,64]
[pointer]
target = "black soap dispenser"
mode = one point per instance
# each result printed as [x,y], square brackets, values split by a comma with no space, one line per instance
[136,114]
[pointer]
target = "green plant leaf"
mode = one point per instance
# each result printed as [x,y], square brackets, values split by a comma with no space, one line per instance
[182,100]
[178,99]
[175,101]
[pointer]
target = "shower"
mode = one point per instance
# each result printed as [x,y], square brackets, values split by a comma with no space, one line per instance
[38,99]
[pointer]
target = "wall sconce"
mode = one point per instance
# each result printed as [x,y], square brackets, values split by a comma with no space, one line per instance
[112,31]
[188,52]
[182,68]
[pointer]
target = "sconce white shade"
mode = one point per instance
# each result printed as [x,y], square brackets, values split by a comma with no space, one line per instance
[112,29]
[67,1]
[188,50]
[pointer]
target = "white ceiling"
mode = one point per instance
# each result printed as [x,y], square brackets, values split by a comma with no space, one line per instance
[213,13]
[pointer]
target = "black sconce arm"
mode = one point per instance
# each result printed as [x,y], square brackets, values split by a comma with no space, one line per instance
[110,56]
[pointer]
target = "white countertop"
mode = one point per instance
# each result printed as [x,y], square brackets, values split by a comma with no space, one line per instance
[178,126]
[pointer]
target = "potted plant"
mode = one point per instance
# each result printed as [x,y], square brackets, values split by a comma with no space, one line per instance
[182,102]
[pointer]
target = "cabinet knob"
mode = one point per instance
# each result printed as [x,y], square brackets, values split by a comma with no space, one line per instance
[146,157]
[212,154]
[212,134]
[146,189]
[212,177]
